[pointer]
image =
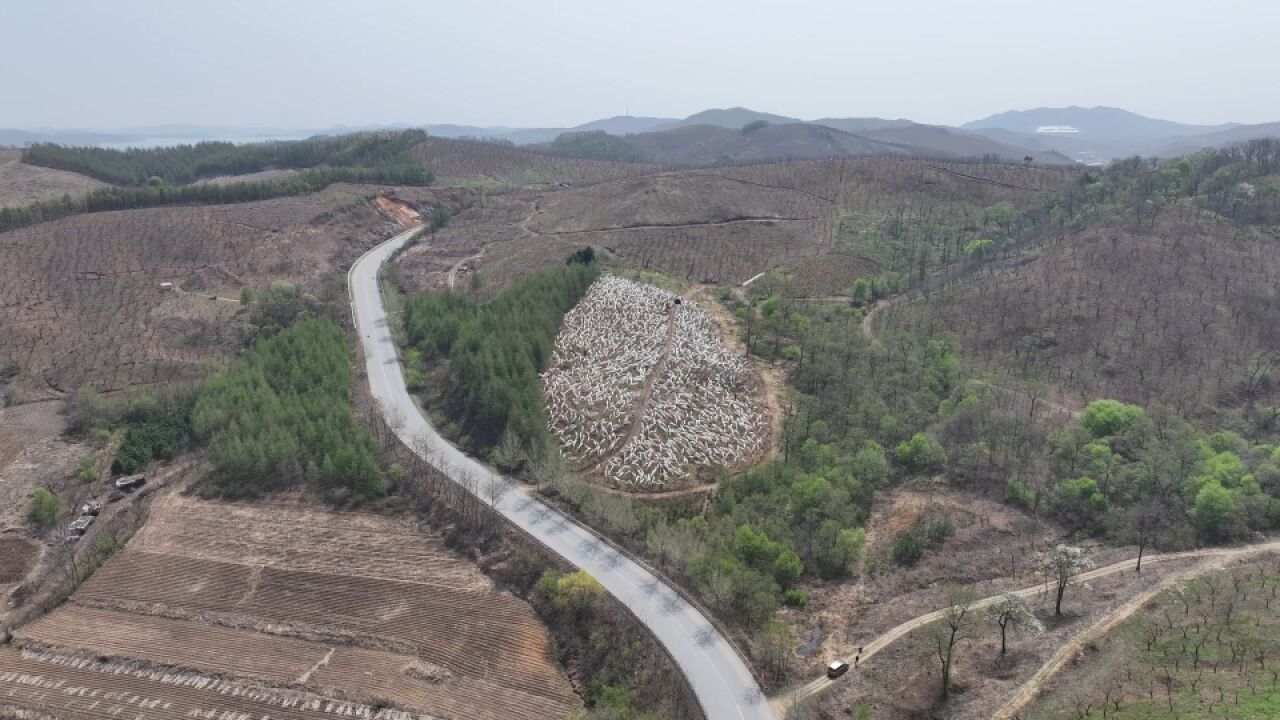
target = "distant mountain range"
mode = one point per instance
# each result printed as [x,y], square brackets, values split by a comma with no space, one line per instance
[1046,135]
[1099,134]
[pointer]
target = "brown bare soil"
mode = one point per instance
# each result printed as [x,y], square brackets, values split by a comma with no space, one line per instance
[80,298]
[716,226]
[400,210]
[33,453]
[36,684]
[829,275]
[17,555]
[901,680]
[886,613]
[992,544]
[355,606]
[246,534]
[21,184]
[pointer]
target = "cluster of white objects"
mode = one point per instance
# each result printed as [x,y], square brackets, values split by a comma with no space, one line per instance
[641,383]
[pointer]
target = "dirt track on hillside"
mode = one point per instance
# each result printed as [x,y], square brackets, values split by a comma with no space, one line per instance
[1214,557]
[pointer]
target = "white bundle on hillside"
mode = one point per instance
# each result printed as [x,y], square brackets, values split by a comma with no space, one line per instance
[641,383]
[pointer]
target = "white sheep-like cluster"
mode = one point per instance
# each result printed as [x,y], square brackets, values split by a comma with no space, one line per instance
[612,354]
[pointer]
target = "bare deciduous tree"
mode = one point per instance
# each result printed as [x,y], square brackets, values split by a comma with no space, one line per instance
[1011,611]
[1060,565]
[952,628]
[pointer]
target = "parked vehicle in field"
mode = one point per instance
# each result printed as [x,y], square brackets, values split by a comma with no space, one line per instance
[837,668]
[77,528]
[131,482]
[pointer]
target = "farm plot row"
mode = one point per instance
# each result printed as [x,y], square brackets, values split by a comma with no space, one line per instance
[641,386]
[313,540]
[351,673]
[464,631]
[47,685]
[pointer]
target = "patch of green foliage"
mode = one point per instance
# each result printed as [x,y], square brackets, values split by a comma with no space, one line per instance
[489,355]
[281,415]
[44,507]
[155,436]
[909,545]
[87,470]
[1109,417]
[801,514]
[607,647]
[1131,472]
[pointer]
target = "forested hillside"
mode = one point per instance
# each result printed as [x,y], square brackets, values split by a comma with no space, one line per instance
[1155,283]
[183,164]
[281,415]
[164,176]
[1149,282]
[482,361]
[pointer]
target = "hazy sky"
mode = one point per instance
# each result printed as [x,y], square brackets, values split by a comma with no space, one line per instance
[308,63]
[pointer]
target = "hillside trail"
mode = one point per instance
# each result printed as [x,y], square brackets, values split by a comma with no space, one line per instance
[1220,555]
[1069,651]
[457,267]
[645,394]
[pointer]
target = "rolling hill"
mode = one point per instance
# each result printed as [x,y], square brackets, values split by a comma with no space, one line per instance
[707,145]
[1221,138]
[954,143]
[734,117]
[1105,131]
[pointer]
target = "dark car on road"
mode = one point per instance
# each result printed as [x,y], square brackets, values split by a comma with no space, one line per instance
[837,668]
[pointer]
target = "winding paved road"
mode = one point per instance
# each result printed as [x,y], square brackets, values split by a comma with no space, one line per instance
[720,679]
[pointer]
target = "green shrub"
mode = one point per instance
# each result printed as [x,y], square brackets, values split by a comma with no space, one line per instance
[1020,494]
[921,454]
[908,548]
[795,597]
[1104,418]
[45,507]
[87,470]
[938,532]
[159,437]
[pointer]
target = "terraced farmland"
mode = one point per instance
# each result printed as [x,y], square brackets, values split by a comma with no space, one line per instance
[357,608]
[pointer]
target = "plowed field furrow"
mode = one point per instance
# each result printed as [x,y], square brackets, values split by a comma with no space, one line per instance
[355,674]
[455,629]
[180,643]
[243,611]
[384,674]
[85,693]
[314,540]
